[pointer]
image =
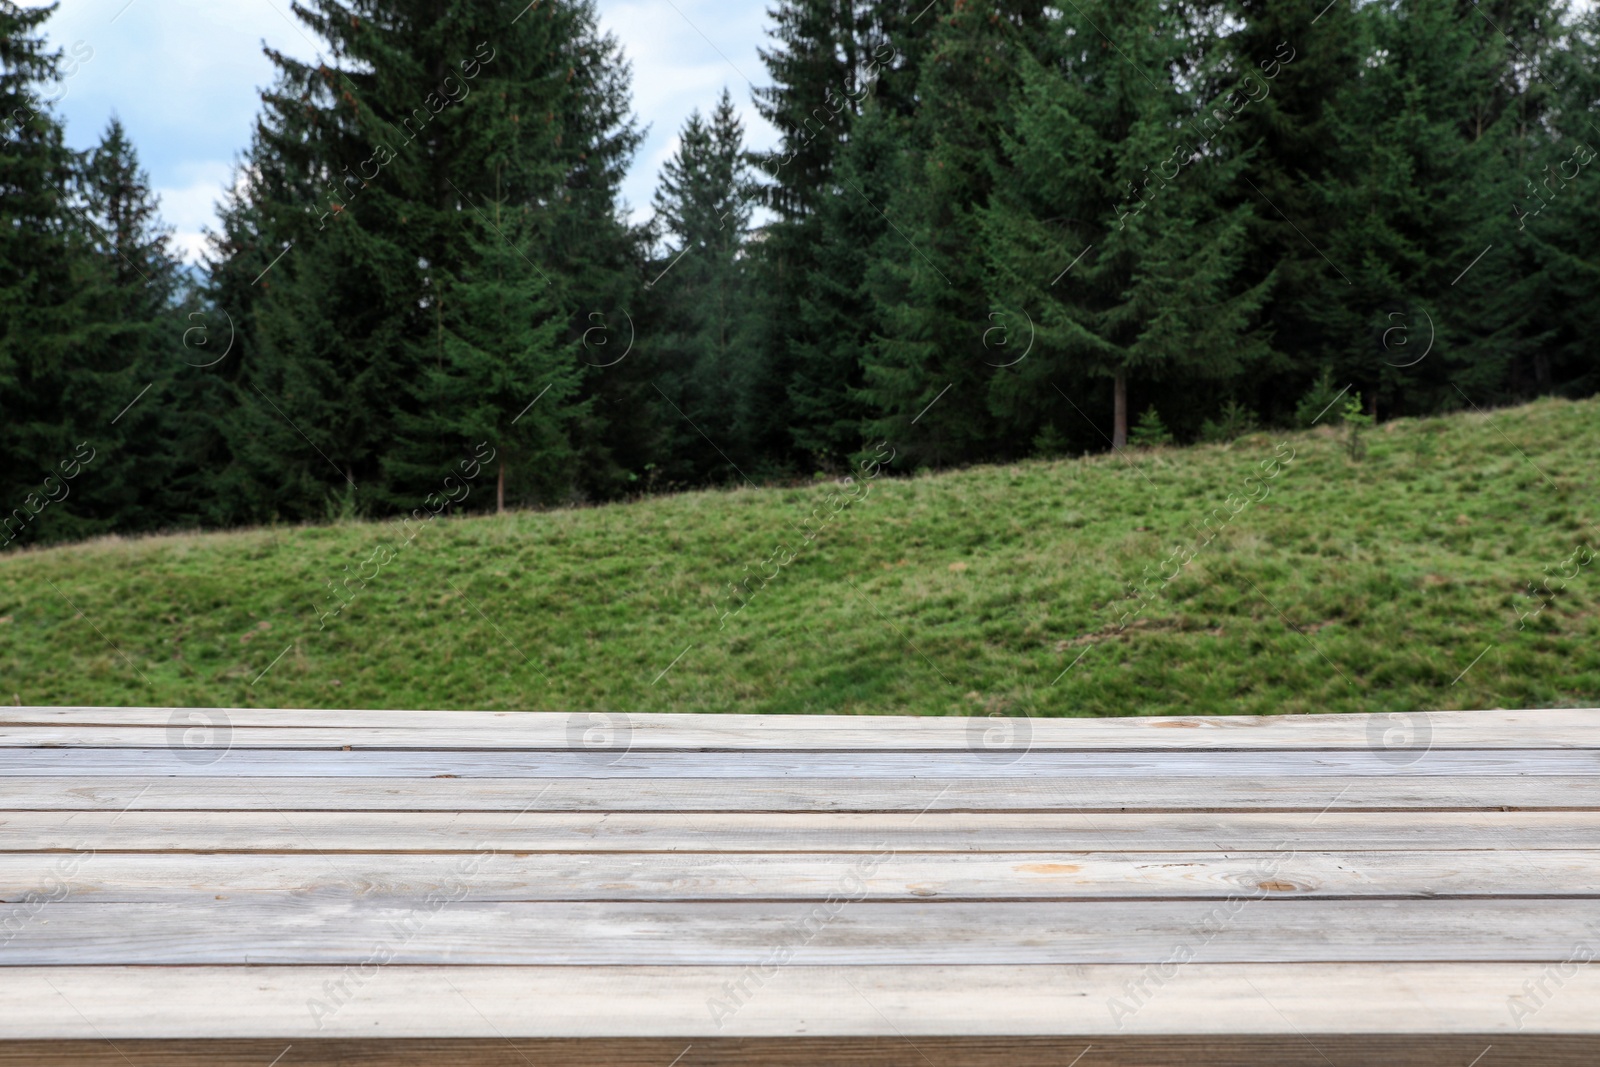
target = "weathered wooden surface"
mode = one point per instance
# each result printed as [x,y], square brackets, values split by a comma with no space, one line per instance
[231,886]
[131,877]
[1564,728]
[192,829]
[572,1002]
[745,934]
[876,766]
[717,796]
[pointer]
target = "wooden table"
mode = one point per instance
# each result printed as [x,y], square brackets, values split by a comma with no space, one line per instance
[365,887]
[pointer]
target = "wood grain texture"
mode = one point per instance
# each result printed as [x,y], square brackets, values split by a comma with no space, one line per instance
[1556,728]
[912,795]
[232,885]
[444,928]
[86,1003]
[193,880]
[316,763]
[1204,833]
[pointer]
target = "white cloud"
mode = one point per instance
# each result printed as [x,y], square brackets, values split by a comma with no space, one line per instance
[191,208]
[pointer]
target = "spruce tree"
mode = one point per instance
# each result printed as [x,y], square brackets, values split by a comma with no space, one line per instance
[822,48]
[498,401]
[1308,59]
[44,259]
[132,340]
[363,166]
[701,343]
[87,288]
[926,275]
[1394,149]
[828,60]
[835,319]
[1111,227]
[1561,242]
[1422,139]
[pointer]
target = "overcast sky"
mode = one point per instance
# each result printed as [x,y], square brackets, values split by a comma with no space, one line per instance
[184,76]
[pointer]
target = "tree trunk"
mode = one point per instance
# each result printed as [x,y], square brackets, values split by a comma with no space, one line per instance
[1119,403]
[500,489]
[1541,371]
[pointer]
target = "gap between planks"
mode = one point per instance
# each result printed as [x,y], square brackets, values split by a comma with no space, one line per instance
[1189,1050]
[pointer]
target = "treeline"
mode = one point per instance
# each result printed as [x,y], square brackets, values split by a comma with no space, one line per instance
[989,230]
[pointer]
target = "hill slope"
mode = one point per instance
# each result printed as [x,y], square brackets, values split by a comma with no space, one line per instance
[1325,584]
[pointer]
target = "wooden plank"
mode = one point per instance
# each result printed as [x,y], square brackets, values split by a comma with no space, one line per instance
[1186,1050]
[395,1001]
[1267,793]
[1555,728]
[907,738]
[782,880]
[311,763]
[804,795]
[442,931]
[779,832]
[499,874]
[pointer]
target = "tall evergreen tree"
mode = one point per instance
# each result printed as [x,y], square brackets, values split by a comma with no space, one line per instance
[362,167]
[1561,242]
[926,274]
[43,260]
[829,58]
[835,320]
[1309,58]
[702,339]
[1111,227]
[822,48]
[423,272]
[86,291]
[1422,138]
[502,386]
[131,341]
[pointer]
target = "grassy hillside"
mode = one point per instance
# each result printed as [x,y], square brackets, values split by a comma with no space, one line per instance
[1345,586]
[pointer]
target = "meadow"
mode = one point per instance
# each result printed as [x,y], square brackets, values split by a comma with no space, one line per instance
[1448,567]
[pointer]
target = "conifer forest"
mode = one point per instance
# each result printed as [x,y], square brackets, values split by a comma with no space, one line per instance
[1059,228]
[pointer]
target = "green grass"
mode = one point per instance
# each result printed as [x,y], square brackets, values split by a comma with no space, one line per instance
[940,594]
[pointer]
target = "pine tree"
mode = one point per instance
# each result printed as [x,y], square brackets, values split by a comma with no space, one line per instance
[86,291]
[831,58]
[362,167]
[1110,227]
[702,340]
[1307,58]
[823,47]
[1422,141]
[835,319]
[1384,163]
[42,260]
[496,407]
[1547,84]
[926,274]
[1561,242]
[131,340]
